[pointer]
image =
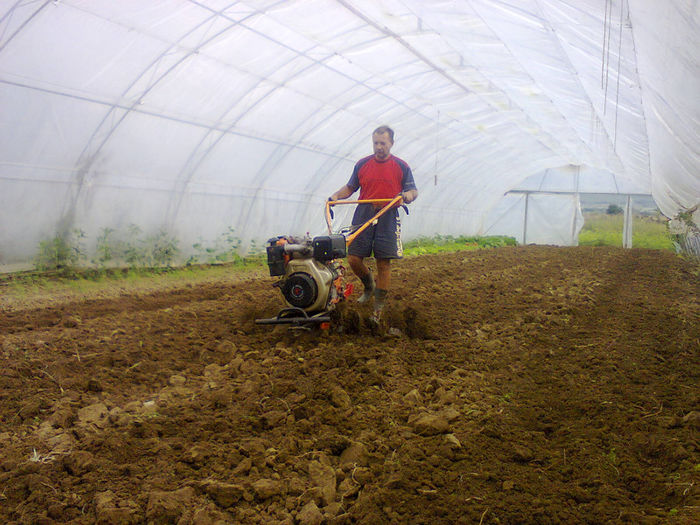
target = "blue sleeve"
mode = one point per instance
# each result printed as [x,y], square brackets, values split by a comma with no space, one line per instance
[354,181]
[407,182]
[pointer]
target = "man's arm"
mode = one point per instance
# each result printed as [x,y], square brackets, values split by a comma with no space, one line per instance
[342,193]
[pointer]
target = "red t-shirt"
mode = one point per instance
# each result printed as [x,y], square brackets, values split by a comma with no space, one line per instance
[381,180]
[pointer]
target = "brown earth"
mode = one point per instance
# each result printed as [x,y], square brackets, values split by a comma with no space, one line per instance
[515,385]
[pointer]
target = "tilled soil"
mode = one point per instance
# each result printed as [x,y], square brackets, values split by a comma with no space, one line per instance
[514,385]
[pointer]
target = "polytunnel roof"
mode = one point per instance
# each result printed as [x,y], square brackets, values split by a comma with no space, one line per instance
[202,115]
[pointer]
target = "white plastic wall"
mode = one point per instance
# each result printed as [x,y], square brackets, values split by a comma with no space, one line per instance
[537,219]
[197,117]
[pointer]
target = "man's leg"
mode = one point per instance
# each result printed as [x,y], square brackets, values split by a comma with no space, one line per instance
[360,269]
[383,273]
[383,283]
[387,246]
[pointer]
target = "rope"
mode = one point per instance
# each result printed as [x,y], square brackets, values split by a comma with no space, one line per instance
[437,145]
[606,53]
[619,59]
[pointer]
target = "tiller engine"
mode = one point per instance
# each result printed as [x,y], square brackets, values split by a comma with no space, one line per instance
[311,270]
[311,277]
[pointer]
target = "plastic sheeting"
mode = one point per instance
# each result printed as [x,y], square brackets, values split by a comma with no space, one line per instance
[533,218]
[194,117]
[546,208]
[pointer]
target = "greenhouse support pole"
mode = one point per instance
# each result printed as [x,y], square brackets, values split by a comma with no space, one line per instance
[627,227]
[575,207]
[527,201]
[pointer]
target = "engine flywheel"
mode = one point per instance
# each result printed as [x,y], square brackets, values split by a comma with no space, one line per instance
[300,290]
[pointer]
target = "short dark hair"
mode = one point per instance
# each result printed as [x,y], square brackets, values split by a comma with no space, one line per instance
[385,129]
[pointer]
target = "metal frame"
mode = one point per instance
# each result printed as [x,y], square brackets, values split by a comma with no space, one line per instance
[627,225]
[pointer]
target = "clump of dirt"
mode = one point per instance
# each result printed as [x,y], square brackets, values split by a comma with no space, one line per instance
[514,385]
[417,325]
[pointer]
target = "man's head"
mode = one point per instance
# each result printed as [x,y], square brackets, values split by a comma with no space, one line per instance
[382,141]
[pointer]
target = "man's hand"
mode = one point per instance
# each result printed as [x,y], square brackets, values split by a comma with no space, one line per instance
[330,208]
[409,196]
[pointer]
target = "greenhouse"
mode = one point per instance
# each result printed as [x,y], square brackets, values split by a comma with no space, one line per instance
[165,163]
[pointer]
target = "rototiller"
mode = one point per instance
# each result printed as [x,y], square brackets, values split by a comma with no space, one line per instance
[312,273]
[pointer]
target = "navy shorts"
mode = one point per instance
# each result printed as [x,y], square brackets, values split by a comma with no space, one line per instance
[382,239]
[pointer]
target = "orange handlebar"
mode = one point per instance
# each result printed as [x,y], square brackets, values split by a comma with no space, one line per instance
[389,204]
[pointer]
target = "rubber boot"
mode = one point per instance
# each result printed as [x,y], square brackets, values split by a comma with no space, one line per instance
[368,281]
[379,301]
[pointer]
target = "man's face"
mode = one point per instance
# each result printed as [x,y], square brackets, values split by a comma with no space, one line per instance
[382,145]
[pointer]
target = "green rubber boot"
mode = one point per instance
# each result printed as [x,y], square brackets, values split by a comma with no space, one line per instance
[379,301]
[368,281]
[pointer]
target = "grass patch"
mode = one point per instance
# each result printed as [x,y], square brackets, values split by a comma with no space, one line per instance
[33,286]
[601,229]
[447,243]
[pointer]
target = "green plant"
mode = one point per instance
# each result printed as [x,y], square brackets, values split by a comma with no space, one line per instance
[686,217]
[256,254]
[106,249]
[62,252]
[132,255]
[226,248]
[614,209]
[160,249]
[231,244]
[685,233]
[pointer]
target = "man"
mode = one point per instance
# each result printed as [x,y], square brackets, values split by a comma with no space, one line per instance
[378,176]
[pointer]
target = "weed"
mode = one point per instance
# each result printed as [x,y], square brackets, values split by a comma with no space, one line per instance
[38,458]
[686,217]
[226,248]
[160,250]
[60,253]
[105,247]
[132,255]
[128,248]
[685,233]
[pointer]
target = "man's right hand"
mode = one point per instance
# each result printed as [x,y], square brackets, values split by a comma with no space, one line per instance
[408,196]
